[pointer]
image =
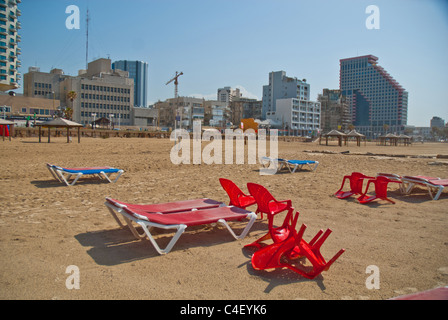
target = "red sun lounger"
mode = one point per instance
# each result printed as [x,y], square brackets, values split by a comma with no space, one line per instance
[65,174]
[380,183]
[162,208]
[180,220]
[435,185]
[356,181]
[237,197]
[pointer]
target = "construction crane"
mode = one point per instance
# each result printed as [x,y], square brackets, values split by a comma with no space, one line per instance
[176,82]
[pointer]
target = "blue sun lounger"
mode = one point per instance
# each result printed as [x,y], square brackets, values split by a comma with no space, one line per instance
[277,163]
[293,165]
[64,174]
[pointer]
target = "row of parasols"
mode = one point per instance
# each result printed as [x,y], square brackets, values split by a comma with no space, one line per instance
[389,139]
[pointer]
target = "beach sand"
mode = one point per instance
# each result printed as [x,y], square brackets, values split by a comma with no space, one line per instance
[46,226]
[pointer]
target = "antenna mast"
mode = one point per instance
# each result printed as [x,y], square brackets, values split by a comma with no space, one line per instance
[87,39]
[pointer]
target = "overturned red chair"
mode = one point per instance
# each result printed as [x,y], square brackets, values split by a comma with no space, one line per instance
[381,183]
[237,197]
[285,254]
[356,180]
[266,203]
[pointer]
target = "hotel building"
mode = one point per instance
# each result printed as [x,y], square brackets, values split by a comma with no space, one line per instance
[9,39]
[377,102]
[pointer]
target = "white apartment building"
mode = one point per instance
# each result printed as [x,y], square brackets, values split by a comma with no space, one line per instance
[298,117]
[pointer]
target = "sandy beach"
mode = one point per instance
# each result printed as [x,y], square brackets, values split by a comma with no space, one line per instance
[46,226]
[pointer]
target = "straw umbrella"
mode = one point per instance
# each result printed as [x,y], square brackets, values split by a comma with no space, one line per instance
[337,134]
[358,136]
[60,123]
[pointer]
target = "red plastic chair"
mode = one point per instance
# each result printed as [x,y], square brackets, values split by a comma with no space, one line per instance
[237,197]
[356,180]
[380,183]
[269,205]
[282,254]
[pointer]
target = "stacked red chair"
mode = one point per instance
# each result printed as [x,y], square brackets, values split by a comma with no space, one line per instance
[381,183]
[356,180]
[288,244]
[237,197]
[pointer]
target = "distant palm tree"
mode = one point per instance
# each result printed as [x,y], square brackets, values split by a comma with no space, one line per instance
[68,113]
[71,95]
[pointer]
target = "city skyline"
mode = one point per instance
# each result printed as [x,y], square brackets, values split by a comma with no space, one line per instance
[238,43]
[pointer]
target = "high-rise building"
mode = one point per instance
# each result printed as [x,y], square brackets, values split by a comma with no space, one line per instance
[377,103]
[138,70]
[9,39]
[282,87]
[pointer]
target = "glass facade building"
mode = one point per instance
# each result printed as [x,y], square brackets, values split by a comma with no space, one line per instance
[138,70]
[378,104]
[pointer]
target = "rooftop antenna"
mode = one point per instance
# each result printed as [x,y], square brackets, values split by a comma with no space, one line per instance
[87,39]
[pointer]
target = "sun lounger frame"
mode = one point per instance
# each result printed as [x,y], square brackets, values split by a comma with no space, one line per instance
[435,185]
[293,165]
[64,175]
[180,228]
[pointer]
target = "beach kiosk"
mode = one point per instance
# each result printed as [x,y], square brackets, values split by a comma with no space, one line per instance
[6,129]
[59,123]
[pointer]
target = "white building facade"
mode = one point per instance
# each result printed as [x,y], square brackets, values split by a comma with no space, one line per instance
[298,117]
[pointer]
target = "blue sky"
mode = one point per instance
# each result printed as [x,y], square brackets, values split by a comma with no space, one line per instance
[218,43]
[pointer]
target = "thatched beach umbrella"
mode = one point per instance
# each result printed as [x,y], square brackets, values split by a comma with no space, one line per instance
[60,123]
[337,134]
[405,139]
[358,136]
[393,139]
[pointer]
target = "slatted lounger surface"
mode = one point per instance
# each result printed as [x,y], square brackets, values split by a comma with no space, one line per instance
[435,185]
[179,220]
[64,174]
[293,165]
[163,208]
